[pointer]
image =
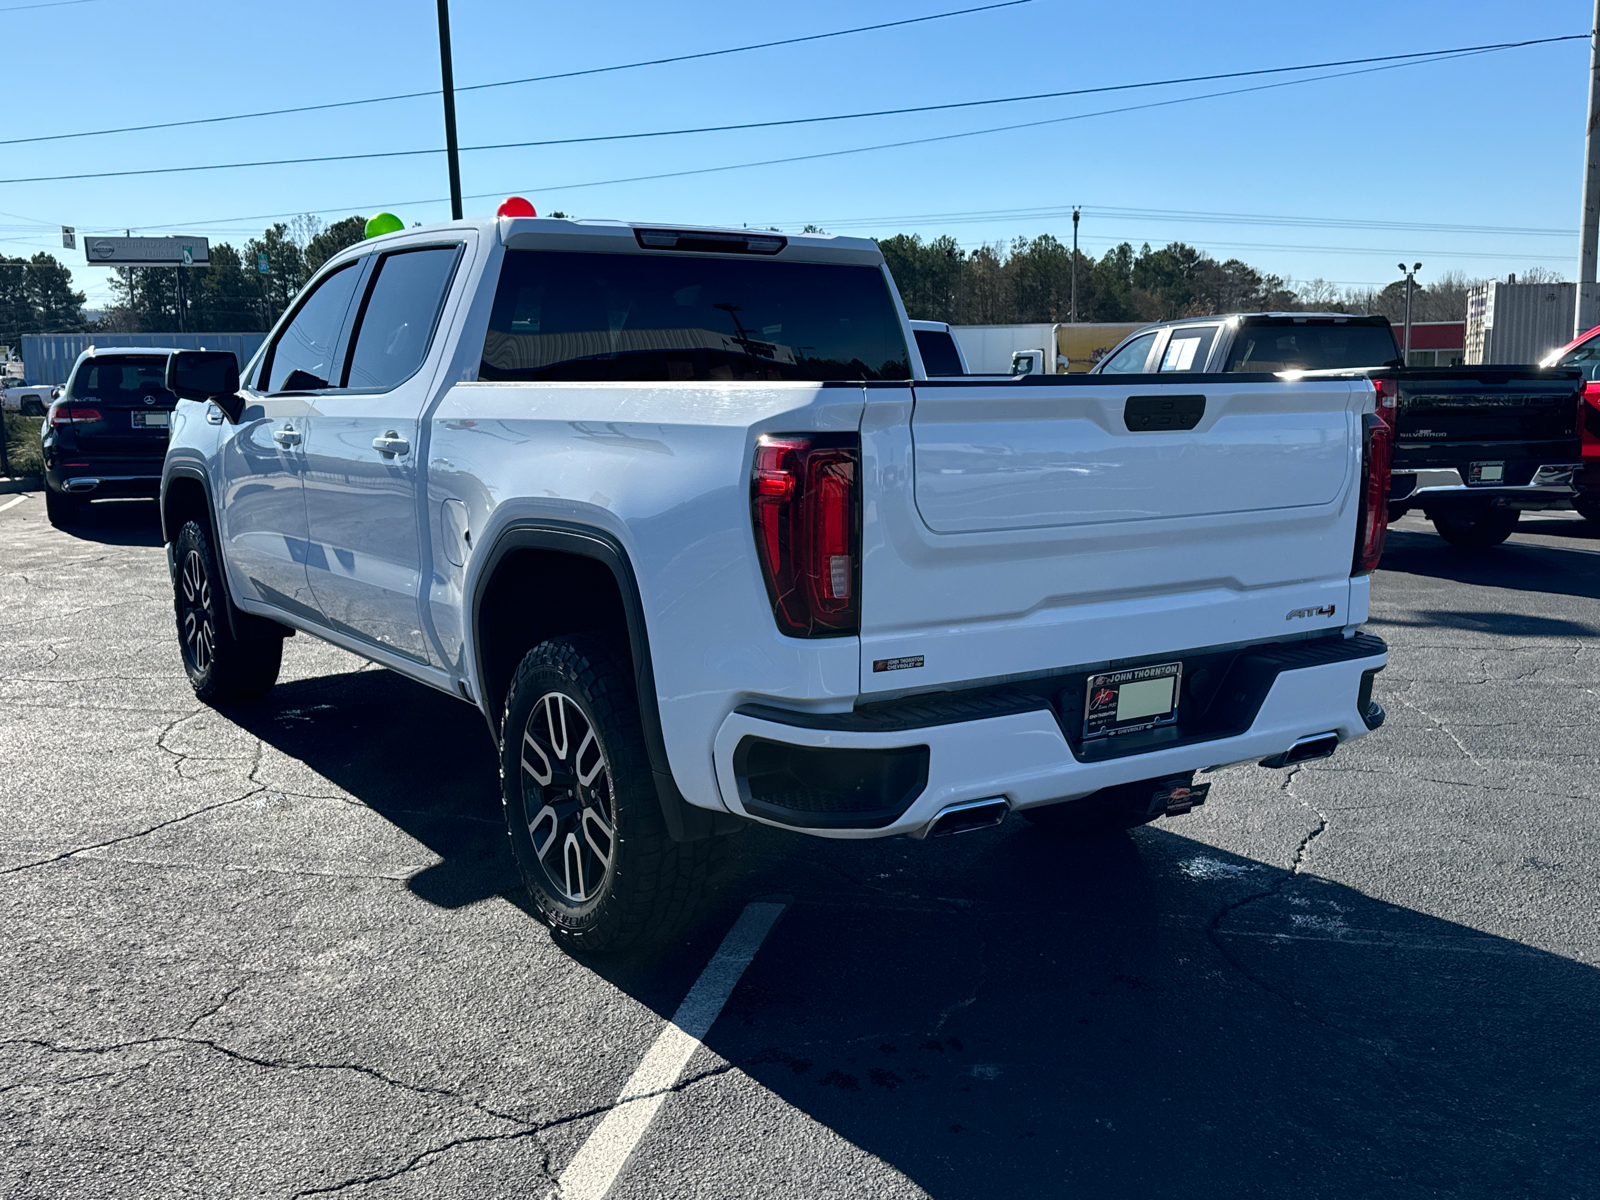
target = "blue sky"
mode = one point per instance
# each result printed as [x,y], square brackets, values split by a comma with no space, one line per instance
[1494,140]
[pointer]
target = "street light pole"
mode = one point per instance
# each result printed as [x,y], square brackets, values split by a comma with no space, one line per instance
[448,79]
[1075,256]
[1411,282]
[1588,314]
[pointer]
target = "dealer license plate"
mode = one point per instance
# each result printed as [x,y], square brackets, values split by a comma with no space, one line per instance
[152,420]
[1486,472]
[1124,701]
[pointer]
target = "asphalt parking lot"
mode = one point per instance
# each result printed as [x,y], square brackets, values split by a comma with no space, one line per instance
[281,951]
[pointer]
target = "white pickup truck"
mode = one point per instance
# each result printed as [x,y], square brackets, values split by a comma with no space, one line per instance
[681,513]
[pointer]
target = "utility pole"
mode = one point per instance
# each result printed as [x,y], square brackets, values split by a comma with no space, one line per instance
[1411,283]
[1588,314]
[448,78]
[1075,211]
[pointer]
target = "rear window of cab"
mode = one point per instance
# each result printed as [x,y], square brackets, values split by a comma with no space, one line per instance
[568,317]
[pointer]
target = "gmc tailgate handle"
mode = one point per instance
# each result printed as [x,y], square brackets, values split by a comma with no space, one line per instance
[1157,414]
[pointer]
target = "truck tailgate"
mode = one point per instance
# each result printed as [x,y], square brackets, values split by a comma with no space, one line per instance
[1486,404]
[1025,526]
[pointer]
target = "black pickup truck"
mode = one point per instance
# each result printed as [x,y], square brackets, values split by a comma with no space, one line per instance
[1474,447]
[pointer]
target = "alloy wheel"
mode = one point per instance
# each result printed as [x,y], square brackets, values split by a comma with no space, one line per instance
[567,799]
[198,625]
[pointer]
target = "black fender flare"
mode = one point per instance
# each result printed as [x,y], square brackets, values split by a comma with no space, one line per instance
[685,822]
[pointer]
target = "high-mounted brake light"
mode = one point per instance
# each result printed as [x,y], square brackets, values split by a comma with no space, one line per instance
[805,504]
[1372,522]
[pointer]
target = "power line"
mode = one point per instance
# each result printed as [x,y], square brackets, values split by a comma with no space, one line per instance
[1391,61]
[1181,215]
[46,4]
[478,87]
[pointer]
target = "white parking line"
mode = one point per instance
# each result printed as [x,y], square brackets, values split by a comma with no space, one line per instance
[13,502]
[594,1169]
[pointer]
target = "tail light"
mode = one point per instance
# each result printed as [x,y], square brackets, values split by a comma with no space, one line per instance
[66,414]
[1388,400]
[1372,525]
[805,501]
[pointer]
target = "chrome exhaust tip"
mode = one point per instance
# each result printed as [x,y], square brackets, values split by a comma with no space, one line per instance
[1318,745]
[85,484]
[965,817]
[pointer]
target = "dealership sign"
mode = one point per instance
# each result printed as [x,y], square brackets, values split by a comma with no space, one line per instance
[147,252]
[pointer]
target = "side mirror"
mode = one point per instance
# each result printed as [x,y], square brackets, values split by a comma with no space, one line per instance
[207,375]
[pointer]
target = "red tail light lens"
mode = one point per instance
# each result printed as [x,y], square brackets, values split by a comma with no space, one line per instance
[63,414]
[805,503]
[1388,400]
[1373,523]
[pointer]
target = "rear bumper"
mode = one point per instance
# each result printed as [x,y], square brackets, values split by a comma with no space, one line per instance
[1551,484]
[1022,755]
[95,480]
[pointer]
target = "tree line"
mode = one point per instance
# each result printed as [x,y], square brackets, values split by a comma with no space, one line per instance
[1028,280]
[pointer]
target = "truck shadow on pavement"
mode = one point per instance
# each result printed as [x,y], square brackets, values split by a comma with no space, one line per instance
[117,523]
[1524,566]
[1003,1014]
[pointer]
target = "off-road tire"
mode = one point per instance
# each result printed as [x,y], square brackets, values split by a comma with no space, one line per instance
[645,884]
[1479,529]
[221,668]
[1109,810]
[1588,507]
[62,510]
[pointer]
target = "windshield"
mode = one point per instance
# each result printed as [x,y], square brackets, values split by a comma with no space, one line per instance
[563,316]
[122,377]
[1310,346]
[1585,357]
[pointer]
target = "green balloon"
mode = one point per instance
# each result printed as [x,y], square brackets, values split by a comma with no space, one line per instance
[384,223]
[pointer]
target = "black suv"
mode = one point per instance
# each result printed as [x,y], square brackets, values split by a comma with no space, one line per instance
[106,433]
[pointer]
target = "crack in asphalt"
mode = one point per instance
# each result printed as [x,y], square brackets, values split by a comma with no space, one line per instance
[422,1159]
[273,1064]
[1213,929]
[1444,729]
[128,837]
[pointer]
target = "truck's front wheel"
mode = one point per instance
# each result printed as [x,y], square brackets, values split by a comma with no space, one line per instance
[220,666]
[1475,528]
[580,800]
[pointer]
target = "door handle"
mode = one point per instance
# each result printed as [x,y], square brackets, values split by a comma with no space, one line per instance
[286,436]
[391,443]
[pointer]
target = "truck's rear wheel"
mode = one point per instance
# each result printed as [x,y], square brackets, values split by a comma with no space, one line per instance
[220,667]
[1588,507]
[1475,528]
[1125,806]
[580,800]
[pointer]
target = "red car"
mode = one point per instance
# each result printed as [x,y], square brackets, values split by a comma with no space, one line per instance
[1583,352]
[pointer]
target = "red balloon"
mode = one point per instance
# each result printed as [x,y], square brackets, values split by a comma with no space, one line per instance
[515,206]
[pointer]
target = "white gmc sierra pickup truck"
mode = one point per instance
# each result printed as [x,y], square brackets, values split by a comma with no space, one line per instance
[681,513]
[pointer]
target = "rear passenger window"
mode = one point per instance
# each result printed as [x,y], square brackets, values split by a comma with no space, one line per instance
[302,358]
[938,350]
[1131,358]
[1188,348]
[397,321]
